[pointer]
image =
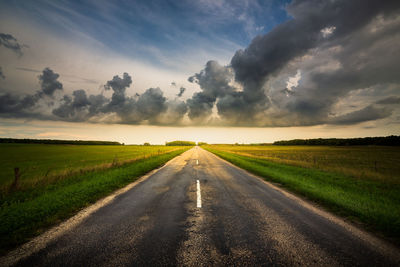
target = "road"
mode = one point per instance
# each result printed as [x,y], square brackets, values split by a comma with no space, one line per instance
[240,220]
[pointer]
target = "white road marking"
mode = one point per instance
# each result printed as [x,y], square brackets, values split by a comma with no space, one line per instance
[198,194]
[197,162]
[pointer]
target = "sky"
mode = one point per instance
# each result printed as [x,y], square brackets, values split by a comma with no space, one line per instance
[217,71]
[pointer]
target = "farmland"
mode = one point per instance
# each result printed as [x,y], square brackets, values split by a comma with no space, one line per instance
[57,180]
[362,162]
[361,183]
[42,164]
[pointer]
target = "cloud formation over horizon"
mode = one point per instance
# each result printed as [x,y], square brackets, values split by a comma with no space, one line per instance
[315,68]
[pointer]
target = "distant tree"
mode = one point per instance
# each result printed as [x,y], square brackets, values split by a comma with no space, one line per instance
[392,140]
[57,142]
[180,143]
[146,144]
[201,144]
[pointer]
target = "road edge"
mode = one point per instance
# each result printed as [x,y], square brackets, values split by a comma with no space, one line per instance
[41,241]
[384,247]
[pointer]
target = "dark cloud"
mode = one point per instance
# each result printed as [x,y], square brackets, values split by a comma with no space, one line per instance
[200,106]
[303,72]
[146,108]
[12,106]
[49,82]
[118,86]
[97,103]
[334,52]
[27,105]
[214,81]
[151,107]
[368,113]
[10,42]
[72,107]
[2,74]
[181,91]
[391,100]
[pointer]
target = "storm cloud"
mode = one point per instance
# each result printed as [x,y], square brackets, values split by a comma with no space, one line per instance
[49,82]
[391,100]
[332,53]
[13,106]
[71,107]
[310,70]
[151,107]
[366,114]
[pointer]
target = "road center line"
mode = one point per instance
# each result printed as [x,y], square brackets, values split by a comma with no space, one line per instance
[197,162]
[198,194]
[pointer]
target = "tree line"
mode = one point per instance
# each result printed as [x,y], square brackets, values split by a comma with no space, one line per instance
[392,140]
[180,143]
[58,142]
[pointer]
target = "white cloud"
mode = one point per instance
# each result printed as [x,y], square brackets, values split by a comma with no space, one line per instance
[293,81]
[326,32]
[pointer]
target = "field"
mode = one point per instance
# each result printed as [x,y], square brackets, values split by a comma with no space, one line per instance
[57,180]
[363,162]
[42,164]
[361,183]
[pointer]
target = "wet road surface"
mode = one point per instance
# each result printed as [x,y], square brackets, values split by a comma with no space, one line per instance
[241,220]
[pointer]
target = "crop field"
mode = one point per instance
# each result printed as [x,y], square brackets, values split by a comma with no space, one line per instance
[363,162]
[361,183]
[55,181]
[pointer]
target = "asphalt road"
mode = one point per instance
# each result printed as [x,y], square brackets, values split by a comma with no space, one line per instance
[242,221]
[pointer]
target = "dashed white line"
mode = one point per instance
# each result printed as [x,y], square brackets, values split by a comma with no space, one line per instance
[197,162]
[198,194]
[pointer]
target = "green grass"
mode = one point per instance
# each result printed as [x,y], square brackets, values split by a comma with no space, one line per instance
[380,163]
[42,164]
[26,213]
[374,202]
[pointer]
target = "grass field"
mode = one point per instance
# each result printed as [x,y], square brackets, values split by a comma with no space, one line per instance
[360,183]
[41,164]
[363,162]
[58,180]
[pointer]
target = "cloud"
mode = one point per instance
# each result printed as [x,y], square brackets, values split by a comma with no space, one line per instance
[215,82]
[391,100]
[10,42]
[333,53]
[12,106]
[151,107]
[303,72]
[118,86]
[71,108]
[27,106]
[73,78]
[181,91]
[368,113]
[49,82]
[28,70]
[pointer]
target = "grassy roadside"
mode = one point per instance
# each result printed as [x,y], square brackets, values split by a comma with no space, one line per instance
[29,214]
[374,203]
[42,164]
